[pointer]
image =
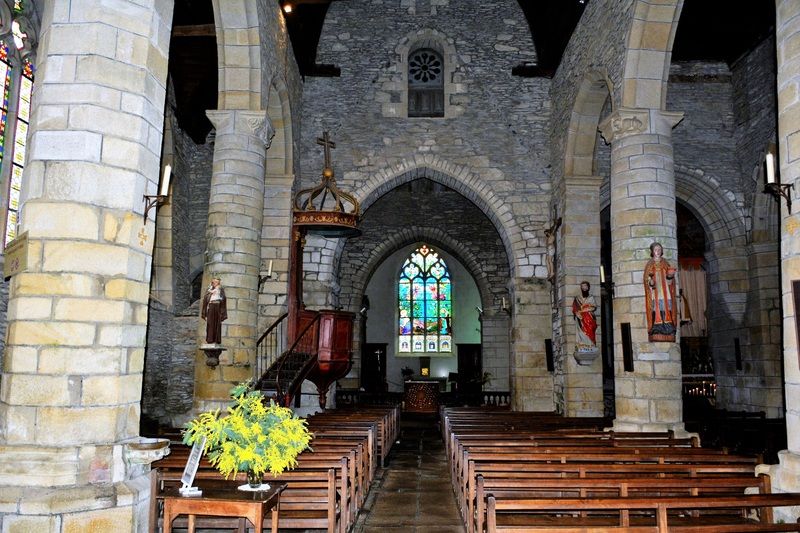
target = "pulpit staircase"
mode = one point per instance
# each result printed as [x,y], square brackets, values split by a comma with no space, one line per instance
[281,371]
[321,353]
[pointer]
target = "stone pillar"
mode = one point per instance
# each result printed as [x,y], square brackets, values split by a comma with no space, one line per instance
[786,475]
[531,383]
[642,211]
[72,379]
[583,382]
[233,237]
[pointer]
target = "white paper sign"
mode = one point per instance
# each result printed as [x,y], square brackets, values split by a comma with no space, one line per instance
[192,463]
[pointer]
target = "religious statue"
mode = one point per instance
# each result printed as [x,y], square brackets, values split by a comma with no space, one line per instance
[659,290]
[214,310]
[583,309]
[550,241]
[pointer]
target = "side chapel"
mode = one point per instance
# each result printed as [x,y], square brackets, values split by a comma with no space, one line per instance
[609,230]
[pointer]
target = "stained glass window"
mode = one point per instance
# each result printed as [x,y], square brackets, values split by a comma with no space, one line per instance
[425,304]
[20,144]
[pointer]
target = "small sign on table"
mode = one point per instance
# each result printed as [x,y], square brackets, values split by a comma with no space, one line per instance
[190,470]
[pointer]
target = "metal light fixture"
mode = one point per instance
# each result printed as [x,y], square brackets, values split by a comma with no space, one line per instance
[773,185]
[607,285]
[155,200]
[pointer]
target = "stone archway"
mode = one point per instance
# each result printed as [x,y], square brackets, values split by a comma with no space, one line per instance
[460,179]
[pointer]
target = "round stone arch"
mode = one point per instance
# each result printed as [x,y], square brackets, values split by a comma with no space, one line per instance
[238,30]
[649,52]
[280,156]
[460,179]
[594,90]
[354,286]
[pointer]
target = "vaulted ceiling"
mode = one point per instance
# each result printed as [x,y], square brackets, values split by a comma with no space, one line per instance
[720,30]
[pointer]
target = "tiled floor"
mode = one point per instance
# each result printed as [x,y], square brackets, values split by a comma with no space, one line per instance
[413,493]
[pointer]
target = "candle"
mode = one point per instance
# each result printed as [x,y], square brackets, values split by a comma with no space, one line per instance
[770,168]
[269,269]
[602,275]
[165,181]
[504,303]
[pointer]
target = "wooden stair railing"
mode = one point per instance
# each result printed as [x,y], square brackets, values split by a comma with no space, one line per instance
[283,377]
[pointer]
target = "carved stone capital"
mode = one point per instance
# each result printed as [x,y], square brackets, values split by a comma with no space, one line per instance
[242,121]
[627,121]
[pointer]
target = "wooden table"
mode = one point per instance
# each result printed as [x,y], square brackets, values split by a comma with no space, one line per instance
[224,502]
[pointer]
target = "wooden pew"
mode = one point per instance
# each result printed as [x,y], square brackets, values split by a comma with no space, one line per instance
[623,486]
[656,515]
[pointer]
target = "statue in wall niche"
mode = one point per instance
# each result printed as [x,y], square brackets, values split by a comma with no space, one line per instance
[583,309]
[659,290]
[214,310]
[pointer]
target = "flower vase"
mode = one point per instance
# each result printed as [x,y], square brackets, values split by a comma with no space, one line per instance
[255,479]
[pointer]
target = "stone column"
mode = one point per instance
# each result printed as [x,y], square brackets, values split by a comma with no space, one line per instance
[583,382]
[531,383]
[77,316]
[786,475]
[642,211]
[233,237]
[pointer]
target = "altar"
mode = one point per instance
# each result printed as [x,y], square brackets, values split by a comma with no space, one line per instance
[421,396]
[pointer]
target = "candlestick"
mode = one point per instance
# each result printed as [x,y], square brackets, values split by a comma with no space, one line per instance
[602,274]
[165,181]
[770,168]
[269,269]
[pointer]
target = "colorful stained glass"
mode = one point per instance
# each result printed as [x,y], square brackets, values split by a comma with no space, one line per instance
[20,139]
[424,304]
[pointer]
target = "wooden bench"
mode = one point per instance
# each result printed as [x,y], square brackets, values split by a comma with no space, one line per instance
[656,515]
[595,487]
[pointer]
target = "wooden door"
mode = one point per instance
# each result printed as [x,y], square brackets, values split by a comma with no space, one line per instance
[373,367]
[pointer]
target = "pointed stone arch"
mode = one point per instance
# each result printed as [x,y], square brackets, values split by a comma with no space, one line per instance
[594,90]
[354,285]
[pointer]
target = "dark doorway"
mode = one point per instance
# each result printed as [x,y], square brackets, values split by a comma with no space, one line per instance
[373,367]
[470,370]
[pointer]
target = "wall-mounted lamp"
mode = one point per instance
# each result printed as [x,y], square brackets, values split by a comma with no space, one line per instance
[505,306]
[773,185]
[607,285]
[287,7]
[151,200]
[263,279]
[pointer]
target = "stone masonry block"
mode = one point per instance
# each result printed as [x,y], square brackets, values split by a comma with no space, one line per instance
[92,310]
[35,284]
[51,333]
[63,426]
[32,390]
[63,220]
[83,361]
[24,308]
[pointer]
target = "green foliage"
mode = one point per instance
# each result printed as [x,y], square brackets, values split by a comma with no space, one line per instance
[252,436]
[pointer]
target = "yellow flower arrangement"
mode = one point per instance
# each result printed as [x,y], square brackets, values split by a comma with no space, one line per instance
[253,437]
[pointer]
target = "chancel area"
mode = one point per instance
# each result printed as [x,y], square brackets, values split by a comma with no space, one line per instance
[446,241]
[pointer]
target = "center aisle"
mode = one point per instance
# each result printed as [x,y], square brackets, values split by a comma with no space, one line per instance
[413,493]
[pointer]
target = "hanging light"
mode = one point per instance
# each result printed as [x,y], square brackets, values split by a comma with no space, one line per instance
[287,7]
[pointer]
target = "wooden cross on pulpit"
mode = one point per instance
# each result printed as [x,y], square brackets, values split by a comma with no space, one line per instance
[326,143]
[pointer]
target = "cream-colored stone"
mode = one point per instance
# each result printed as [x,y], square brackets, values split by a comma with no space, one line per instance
[51,333]
[71,426]
[111,390]
[30,308]
[103,259]
[82,361]
[116,519]
[93,310]
[125,289]
[26,389]
[26,524]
